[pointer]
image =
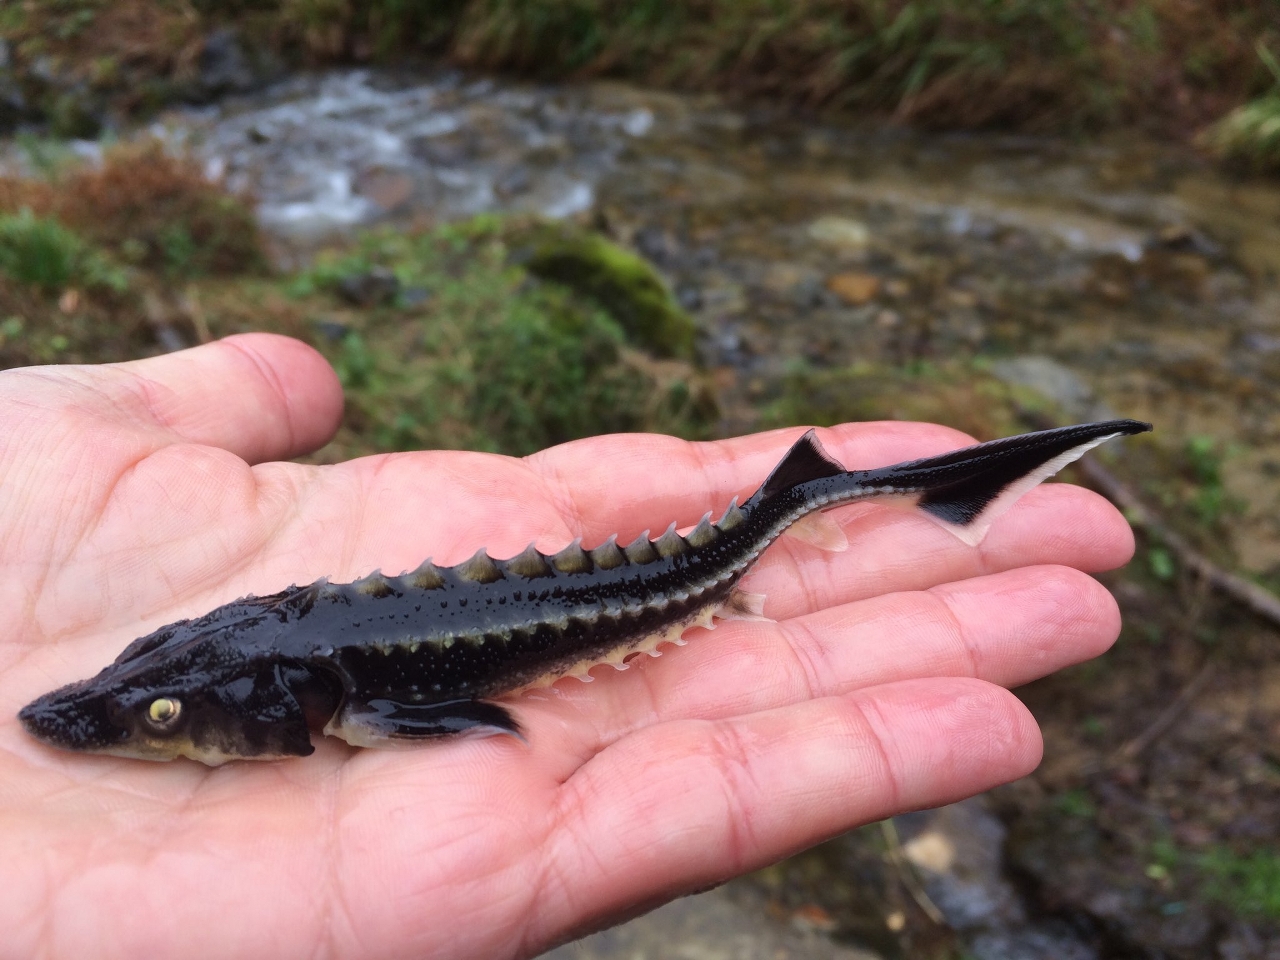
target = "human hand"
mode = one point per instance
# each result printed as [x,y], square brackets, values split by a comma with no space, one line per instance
[137,494]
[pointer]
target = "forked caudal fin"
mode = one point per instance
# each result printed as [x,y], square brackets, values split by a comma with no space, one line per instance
[964,490]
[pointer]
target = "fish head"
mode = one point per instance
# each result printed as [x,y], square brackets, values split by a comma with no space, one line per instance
[192,696]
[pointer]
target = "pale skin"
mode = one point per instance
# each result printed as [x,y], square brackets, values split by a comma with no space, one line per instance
[136,494]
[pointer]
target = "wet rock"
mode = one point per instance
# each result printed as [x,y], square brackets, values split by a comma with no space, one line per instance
[515,181]
[854,289]
[414,296]
[223,66]
[958,851]
[389,190]
[1244,942]
[375,287]
[332,330]
[1056,382]
[782,278]
[1180,238]
[1058,944]
[13,105]
[842,232]
[622,282]
[716,925]
[689,297]
[1184,275]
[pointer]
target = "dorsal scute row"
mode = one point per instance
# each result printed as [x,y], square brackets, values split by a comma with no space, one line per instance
[531,564]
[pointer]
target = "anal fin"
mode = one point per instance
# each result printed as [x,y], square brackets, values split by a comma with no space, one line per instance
[385,722]
[819,530]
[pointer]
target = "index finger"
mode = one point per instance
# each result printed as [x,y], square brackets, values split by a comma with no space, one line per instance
[624,483]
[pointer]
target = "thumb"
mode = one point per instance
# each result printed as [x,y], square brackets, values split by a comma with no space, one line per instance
[259,396]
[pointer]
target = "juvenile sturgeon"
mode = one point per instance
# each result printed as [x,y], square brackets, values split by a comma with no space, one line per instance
[423,655]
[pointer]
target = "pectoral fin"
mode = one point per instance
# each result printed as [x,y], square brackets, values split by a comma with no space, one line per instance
[743,605]
[383,722]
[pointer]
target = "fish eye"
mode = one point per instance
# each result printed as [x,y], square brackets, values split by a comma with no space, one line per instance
[163,712]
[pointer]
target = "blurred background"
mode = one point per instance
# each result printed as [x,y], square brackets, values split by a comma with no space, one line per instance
[509,223]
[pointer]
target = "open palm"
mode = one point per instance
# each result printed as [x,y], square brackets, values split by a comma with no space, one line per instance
[137,494]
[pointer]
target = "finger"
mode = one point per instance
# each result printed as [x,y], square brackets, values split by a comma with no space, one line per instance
[259,396]
[1045,618]
[686,804]
[625,483]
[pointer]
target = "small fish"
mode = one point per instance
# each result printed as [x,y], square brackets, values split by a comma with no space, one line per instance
[423,655]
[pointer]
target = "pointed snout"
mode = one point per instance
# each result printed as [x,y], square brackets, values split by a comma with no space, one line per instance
[72,718]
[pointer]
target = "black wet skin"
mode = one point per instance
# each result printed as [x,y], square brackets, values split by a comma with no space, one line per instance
[421,655]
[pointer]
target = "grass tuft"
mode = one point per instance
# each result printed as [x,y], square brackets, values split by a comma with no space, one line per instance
[42,253]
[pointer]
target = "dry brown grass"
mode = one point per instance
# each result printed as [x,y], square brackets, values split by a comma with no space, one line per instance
[151,208]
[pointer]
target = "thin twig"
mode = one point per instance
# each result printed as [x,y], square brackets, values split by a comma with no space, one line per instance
[1258,599]
[1130,749]
[907,874]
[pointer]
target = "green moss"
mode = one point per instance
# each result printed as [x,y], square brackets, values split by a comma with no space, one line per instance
[622,283]
[475,352]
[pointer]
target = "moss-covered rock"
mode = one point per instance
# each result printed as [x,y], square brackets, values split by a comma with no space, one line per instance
[621,282]
[476,351]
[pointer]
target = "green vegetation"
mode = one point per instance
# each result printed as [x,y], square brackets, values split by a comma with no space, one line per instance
[1209,499]
[1048,65]
[472,351]
[42,253]
[1250,134]
[1075,803]
[1248,884]
[149,208]
[444,338]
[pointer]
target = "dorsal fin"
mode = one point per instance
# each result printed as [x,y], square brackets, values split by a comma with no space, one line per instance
[805,461]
